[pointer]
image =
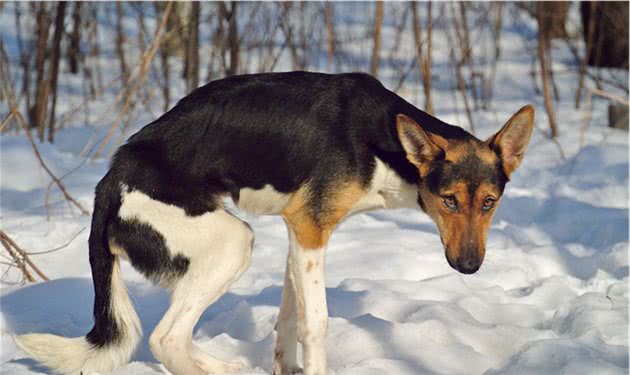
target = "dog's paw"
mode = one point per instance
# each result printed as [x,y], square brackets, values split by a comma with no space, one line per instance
[278,370]
[215,366]
[232,367]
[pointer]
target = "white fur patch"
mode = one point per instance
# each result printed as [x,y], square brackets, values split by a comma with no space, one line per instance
[76,355]
[285,352]
[306,270]
[211,272]
[185,235]
[387,190]
[265,201]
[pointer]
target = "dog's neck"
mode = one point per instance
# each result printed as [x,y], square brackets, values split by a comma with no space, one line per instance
[387,190]
[398,193]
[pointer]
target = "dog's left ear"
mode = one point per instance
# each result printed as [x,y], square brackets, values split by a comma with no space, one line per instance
[512,140]
[421,147]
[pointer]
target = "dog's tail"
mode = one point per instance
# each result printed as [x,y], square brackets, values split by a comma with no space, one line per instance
[116,331]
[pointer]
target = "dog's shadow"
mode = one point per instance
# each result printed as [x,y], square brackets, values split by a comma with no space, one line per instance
[64,307]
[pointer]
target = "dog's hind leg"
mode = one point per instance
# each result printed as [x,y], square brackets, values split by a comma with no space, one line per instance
[211,272]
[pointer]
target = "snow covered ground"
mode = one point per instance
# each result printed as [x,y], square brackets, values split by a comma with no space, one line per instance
[550,298]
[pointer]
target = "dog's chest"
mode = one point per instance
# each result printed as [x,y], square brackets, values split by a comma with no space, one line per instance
[265,201]
[386,190]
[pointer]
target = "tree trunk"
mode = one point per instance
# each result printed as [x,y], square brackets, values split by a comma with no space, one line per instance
[54,69]
[429,60]
[38,114]
[25,57]
[376,51]
[75,39]
[543,39]
[463,34]
[164,52]
[166,78]
[192,55]
[424,61]
[95,50]
[610,26]
[589,32]
[289,36]
[232,39]
[120,42]
[329,19]
[497,25]
[303,42]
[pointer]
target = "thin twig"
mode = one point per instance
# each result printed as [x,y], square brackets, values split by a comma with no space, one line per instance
[16,112]
[7,240]
[59,247]
[6,121]
[19,262]
[50,185]
[70,113]
[57,181]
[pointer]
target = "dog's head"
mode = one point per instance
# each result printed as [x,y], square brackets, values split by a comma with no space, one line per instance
[461,181]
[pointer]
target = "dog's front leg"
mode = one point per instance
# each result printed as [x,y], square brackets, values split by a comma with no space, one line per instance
[306,269]
[285,353]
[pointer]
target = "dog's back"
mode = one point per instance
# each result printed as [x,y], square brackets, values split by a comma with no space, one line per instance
[277,129]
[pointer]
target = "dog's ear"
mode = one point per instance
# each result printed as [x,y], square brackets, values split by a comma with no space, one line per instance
[420,146]
[512,140]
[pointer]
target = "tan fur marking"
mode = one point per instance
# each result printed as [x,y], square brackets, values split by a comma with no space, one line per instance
[312,229]
[459,190]
[457,151]
[452,225]
[486,189]
[439,141]
[297,215]
[483,220]
[117,250]
[424,169]
[454,239]
[456,229]
[486,155]
[309,266]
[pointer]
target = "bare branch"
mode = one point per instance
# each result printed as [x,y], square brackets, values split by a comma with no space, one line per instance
[16,259]
[16,253]
[58,247]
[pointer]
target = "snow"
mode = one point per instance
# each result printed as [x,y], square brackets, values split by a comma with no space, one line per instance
[550,298]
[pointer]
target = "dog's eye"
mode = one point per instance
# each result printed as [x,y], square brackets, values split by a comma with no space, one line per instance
[450,202]
[488,203]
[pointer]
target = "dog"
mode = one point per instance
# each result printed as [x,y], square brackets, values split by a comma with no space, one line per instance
[313,148]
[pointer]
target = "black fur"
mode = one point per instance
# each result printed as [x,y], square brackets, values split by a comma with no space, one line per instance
[105,330]
[147,251]
[472,170]
[275,128]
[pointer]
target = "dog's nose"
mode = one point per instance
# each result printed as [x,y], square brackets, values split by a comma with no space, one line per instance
[468,265]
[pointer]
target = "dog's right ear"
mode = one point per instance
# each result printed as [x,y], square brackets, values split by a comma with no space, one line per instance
[512,140]
[421,147]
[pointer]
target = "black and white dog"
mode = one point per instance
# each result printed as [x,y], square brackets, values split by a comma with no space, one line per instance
[313,148]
